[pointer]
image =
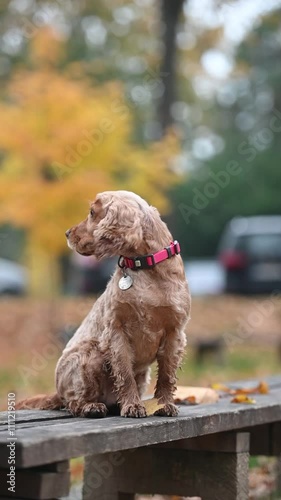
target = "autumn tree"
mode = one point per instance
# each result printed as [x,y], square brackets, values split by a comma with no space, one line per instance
[63,141]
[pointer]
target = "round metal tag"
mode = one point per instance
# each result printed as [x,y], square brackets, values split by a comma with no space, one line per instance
[125,282]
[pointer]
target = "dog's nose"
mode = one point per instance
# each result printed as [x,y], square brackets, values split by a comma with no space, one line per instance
[67,233]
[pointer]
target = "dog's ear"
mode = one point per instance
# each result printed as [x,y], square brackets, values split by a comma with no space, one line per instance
[134,235]
[126,224]
[120,230]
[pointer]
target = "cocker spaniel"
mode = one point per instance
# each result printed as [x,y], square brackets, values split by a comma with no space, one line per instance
[140,318]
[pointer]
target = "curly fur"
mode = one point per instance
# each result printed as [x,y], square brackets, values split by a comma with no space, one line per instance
[108,359]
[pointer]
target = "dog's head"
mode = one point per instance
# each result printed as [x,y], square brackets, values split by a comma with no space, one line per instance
[119,222]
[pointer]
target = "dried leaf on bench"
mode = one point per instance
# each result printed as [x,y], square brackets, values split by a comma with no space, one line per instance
[152,405]
[191,400]
[195,395]
[243,398]
[222,388]
[261,388]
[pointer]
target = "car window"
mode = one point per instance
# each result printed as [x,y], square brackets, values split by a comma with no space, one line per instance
[261,245]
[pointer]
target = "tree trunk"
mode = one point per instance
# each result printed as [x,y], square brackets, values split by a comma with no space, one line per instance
[44,272]
[170,13]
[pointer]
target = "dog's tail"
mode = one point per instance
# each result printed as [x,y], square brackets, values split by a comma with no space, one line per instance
[41,402]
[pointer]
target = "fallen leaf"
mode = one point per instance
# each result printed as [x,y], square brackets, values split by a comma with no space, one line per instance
[191,400]
[195,395]
[243,398]
[222,388]
[261,388]
[152,405]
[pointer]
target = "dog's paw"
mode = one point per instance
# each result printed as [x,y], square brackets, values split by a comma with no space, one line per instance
[168,410]
[133,411]
[94,410]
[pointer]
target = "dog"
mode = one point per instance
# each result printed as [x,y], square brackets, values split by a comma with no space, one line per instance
[140,318]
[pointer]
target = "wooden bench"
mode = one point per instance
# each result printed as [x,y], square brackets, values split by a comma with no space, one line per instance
[204,452]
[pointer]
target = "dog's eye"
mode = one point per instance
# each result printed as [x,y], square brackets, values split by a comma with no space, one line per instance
[92,213]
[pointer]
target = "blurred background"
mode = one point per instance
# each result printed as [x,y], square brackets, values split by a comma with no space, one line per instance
[177,100]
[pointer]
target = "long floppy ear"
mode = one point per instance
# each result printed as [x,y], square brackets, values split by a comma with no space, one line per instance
[120,229]
[134,234]
[126,224]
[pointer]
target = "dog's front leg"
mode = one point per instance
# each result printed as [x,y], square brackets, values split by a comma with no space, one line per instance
[121,362]
[169,358]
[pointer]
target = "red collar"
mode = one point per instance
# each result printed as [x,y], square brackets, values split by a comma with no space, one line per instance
[150,260]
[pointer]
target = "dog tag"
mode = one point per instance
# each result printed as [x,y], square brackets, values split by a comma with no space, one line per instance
[125,282]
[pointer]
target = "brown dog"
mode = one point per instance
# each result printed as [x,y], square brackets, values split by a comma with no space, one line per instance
[140,317]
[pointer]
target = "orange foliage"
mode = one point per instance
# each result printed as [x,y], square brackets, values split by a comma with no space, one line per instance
[63,141]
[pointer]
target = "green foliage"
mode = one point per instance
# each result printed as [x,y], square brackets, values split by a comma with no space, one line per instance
[254,190]
[255,148]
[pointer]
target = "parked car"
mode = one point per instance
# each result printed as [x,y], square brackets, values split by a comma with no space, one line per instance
[87,275]
[13,278]
[250,252]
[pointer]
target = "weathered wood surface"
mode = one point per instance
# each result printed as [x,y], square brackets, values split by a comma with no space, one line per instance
[45,437]
[35,416]
[274,382]
[223,442]
[266,439]
[207,474]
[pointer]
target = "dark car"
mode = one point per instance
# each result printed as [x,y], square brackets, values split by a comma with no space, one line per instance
[87,275]
[250,252]
[13,278]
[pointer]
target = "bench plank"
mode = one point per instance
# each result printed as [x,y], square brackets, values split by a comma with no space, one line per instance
[34,415]
[40,423]
[69,438]
[274,382]
[265,439]
[207,474]
[225,442]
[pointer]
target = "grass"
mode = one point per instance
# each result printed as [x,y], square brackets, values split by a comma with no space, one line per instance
[239,363]
[25,381]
